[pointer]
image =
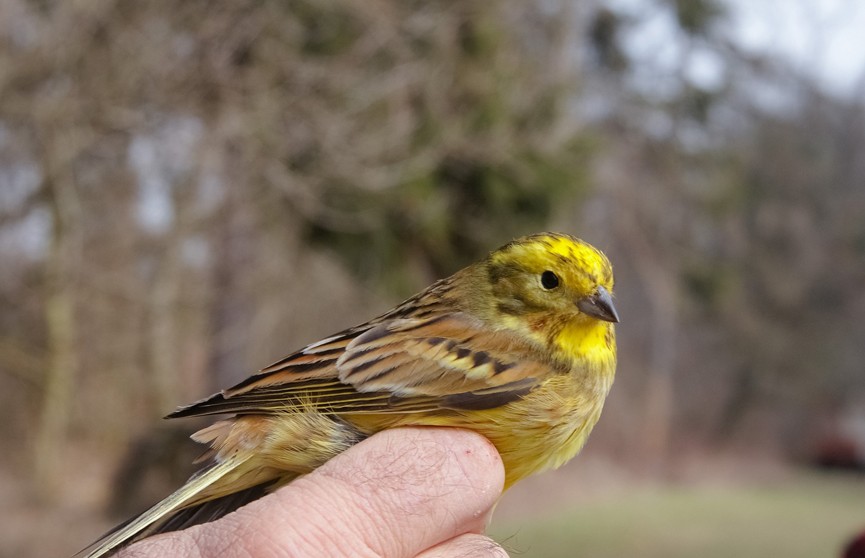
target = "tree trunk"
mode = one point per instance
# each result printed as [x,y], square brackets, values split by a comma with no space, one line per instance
[61,329]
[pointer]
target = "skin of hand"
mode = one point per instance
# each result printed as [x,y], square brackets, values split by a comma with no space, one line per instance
[406,492]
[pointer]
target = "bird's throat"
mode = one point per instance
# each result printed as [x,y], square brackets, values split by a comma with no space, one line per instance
[587,344]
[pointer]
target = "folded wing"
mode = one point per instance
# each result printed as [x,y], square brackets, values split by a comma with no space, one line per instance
[398,365]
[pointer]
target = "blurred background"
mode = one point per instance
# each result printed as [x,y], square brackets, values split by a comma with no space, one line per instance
[191,190]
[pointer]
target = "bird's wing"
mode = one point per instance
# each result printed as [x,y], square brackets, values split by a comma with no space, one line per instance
[444,361]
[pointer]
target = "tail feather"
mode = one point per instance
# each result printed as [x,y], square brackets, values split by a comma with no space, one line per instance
[211,510]
[181,509]
[286,446]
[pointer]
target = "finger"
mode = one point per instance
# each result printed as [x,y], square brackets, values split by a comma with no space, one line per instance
[394,494]
[470,545]
[180,543]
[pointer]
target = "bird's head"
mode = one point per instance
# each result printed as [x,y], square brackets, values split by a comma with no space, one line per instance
[552,274]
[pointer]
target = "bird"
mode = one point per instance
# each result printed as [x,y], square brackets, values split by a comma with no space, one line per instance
[519,347]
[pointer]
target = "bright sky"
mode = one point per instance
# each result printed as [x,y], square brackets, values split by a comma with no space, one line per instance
[825,38]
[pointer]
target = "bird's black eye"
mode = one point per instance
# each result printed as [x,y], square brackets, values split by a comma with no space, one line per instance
[549,280]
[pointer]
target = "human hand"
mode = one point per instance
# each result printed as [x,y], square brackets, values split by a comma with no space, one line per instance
[407,492]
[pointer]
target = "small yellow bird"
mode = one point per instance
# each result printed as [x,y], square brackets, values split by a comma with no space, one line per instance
[519,347]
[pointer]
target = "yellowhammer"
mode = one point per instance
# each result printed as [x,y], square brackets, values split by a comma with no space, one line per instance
[519,347]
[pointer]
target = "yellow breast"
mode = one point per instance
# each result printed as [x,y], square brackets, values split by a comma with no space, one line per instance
[544,430]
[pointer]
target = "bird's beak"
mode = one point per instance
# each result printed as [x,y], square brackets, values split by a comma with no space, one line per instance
[599,305]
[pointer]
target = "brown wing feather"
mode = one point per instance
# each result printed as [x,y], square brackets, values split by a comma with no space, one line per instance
[396,366]
[442,356]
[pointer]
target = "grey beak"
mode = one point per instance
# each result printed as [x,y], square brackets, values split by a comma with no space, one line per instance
[600,306]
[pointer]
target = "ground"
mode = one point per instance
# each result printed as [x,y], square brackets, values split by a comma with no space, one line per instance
[796,513]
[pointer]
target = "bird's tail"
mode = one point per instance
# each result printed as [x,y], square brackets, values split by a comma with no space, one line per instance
[192,503]
[286,445]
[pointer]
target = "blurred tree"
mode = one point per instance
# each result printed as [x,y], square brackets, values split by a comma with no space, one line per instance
[60,300]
